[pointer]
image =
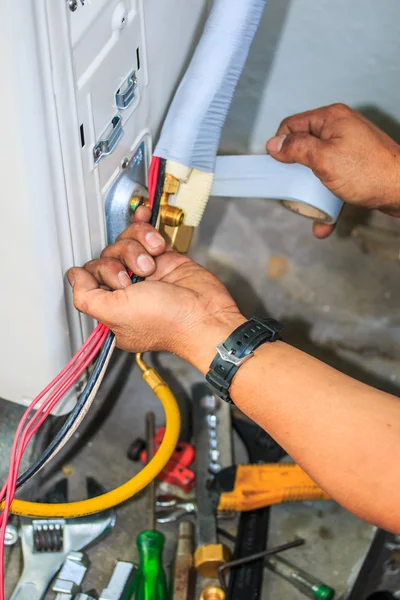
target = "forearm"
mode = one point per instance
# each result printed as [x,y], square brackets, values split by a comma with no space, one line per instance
[345,434]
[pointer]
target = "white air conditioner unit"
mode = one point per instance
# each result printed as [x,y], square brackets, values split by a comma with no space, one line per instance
[85,86]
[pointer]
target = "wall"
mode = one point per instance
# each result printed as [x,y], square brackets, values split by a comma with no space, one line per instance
[310,53]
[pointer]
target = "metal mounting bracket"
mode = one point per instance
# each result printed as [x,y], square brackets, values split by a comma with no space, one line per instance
[131,182]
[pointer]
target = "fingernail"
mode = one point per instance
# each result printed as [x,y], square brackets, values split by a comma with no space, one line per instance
[154,240]
[71,280]
[145,263]
[124,279]
[275,144]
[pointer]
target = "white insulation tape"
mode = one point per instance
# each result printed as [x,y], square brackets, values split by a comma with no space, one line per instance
[263,177]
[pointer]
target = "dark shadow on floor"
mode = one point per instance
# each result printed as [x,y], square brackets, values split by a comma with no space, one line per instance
[297,332]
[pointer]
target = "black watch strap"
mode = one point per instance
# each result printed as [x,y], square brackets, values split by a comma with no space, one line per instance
[239,346]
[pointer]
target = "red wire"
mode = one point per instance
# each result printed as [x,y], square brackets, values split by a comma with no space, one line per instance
[72,371]
[153,175]
[75,360]
[61,383]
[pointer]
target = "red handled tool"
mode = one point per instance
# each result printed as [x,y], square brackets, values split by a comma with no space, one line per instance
[176,471]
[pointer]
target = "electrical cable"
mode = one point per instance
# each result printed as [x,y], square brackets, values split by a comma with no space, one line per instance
[156,200]
[86,398]
[125,491]
[75,416]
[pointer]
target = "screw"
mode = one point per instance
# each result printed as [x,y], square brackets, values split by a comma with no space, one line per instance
[214,468]
[11,535]
[73,5]
[125,163]
[212,421]
[97,152]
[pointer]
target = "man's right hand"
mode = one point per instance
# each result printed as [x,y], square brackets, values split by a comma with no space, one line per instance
[353,158]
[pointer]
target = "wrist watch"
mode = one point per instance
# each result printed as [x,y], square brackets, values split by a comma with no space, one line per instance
[238,348]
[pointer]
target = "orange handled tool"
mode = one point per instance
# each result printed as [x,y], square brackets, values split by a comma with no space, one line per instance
[248,487]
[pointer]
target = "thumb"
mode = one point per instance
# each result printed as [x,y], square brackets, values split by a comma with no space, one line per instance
[323,230]
[90,298]
[302,148]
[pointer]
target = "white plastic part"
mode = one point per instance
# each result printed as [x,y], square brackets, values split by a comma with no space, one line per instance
[62,70]
[193,195]
[263,177]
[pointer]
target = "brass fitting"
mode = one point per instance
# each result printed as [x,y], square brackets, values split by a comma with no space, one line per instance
[171,215]
[179,238]
[171,184]
[150,375]
[176,234]
[213,592]
[208,559]
[137,201]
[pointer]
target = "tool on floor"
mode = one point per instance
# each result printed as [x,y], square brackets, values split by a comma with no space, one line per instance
[212,592]
[176,471]
[47,542]
[182,580]
[304,582]
[171,508]
[70,578]
[254,557]
[210,554]
[122,582]
[248,487]
[11,536]
[150,581]
[135,449]
[246,581]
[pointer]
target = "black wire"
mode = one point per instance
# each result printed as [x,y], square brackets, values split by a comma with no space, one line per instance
[80,405]
[158,192]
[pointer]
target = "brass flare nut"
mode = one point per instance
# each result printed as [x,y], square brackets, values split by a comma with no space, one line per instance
[171,215]
[212,592]
[208,559]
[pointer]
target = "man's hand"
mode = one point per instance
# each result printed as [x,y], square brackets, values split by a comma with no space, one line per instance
[180,308]
[352,157]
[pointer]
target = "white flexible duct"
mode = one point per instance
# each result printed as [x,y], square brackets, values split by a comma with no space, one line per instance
[192,129]
[191,133]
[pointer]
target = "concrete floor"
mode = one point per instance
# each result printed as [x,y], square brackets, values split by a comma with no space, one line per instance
[337,304]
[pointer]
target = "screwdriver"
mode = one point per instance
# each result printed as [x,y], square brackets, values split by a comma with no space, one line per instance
[150,580]
[307,584]
[304,582]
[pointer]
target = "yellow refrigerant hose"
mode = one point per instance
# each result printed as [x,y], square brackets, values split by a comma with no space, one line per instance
[137,483]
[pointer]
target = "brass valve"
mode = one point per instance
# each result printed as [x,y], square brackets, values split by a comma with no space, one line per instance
[172,228]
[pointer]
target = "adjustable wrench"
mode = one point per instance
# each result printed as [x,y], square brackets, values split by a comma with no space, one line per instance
[47,542]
